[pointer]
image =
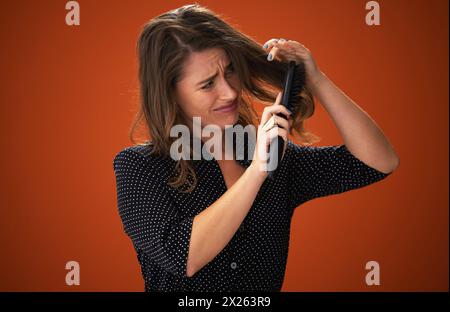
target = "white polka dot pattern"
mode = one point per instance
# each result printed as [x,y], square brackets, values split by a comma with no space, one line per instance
[318,171]
[158,219]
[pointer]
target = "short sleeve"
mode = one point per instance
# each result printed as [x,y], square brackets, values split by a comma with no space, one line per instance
[317,171]
[149,218]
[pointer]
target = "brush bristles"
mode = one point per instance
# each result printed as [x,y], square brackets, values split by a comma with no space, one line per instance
[298,83]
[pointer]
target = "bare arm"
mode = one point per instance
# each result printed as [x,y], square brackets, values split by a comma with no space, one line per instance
[360,133]
[215,226]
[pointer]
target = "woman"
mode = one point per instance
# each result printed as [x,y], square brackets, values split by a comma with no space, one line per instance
[220,224]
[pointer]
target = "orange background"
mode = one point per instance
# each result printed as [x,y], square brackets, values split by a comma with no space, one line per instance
[69,93]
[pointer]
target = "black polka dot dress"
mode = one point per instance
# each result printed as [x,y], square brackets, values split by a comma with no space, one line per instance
[158,219]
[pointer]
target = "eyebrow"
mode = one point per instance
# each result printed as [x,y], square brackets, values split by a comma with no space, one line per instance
[213,76]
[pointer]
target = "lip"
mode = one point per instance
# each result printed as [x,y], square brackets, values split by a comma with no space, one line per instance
[229,108]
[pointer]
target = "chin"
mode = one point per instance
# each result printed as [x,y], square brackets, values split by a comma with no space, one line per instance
[231,120]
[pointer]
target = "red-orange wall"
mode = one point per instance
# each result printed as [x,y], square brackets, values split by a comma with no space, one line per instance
[68,95]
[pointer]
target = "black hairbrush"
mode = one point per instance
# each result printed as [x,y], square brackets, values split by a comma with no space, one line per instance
[294,82]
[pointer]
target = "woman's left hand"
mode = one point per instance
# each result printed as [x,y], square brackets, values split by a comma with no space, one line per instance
[290,50]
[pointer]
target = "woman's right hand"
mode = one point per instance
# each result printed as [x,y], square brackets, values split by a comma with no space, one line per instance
[264,137]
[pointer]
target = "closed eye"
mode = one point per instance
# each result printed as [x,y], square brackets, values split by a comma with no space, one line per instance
[210,83]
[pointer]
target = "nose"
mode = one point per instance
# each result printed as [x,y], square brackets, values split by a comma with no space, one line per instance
[227,91]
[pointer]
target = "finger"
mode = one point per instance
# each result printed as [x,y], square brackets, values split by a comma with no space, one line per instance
[272,54]
[267,114]
[274,132]
[269,44]
[285,112]
[281,122]
[278,51]
[280,42]
[274,109]
[290,50]
[269,124]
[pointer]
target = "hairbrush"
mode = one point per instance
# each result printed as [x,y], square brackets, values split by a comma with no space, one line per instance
[294,81]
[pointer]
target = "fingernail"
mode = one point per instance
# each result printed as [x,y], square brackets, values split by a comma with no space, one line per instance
[269,57]
[265,46]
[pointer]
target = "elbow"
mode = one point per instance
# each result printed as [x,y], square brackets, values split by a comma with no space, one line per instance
[388,165]
[190,271]
[190,268]
[189,274]
[395,162]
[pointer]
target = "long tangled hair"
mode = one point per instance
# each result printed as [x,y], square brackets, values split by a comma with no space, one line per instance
[165,43]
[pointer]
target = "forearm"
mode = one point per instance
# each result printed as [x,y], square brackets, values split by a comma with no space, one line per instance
[215,226]
[362,136]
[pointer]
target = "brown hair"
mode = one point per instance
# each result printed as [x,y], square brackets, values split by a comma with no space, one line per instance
[163,45]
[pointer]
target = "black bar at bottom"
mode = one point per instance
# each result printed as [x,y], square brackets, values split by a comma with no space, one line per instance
[208,301]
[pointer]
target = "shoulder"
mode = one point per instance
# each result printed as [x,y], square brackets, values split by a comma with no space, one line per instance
[333,157]
[140,157]
[309,155]
[135,152]
[294,149]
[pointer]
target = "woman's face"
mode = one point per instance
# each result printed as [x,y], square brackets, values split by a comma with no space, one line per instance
[209,89]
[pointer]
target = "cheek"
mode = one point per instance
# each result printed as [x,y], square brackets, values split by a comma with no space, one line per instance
[200,105]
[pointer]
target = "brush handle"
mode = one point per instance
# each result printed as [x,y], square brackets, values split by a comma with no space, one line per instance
[284,101]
